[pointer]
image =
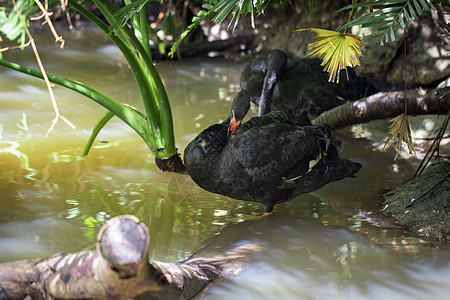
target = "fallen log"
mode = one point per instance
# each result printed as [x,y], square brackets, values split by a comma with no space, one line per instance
[119,269]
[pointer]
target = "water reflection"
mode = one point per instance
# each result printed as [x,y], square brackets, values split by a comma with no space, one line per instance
[324,263]
[331,242]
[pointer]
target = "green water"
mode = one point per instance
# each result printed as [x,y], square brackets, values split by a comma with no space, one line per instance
[328,244]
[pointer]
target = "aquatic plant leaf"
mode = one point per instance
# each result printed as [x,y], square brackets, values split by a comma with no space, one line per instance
[401,131]
[337,50]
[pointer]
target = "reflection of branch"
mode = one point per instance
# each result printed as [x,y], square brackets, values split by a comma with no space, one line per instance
[41,66]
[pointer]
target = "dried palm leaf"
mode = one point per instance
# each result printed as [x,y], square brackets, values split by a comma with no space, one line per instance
[400,130]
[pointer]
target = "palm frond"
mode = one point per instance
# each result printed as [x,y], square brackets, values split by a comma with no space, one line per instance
[337,50]
[386,15]
[219,10]
[124,14]
[196,20]
[238,8]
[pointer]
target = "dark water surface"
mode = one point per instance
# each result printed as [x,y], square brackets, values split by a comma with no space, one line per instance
[328,244]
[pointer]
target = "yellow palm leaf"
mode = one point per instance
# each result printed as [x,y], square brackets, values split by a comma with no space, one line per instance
[337,50]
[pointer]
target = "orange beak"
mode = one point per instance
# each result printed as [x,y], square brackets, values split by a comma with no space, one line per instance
[234,125]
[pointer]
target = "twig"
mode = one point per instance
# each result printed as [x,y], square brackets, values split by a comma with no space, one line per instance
[44,74]
[433,148]
[15,47]
[416,199]
[46,15]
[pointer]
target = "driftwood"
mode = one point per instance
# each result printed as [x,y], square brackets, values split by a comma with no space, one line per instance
[385,105]
[119,269]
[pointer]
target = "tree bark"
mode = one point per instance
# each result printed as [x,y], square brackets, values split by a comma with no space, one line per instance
[119,269]
[387,105]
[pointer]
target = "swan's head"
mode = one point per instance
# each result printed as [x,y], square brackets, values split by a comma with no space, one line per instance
[239,108]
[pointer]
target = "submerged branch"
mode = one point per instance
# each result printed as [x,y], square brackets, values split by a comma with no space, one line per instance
[387,105]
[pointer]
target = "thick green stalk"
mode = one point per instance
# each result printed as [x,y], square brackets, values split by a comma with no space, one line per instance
[143,30]
[138,69]
[159,95]
[156,102]
[145,83]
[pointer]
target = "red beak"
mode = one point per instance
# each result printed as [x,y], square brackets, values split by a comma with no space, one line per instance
[234,125]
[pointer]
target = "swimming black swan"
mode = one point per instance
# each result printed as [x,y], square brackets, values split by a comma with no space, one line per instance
[268,159]
[297,85]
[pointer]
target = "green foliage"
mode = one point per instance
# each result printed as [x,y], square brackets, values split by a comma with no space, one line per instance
[385,15]
[237,8]
[196,20]
[155,126]
[218,10]
[10,24]
[127,12]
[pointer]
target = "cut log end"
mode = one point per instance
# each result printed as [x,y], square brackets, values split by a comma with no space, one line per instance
[124,241]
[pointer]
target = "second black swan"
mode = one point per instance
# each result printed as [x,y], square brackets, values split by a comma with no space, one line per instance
[268,159]
[277,82]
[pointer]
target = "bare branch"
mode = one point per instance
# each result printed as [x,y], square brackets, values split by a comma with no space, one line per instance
[46,15]
[41,67]
[16,47]
[386,105]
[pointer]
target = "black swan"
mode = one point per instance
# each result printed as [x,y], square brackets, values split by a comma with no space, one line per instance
[297,85]
[268,159]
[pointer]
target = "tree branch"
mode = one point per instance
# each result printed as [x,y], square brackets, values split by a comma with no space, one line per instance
[387,105]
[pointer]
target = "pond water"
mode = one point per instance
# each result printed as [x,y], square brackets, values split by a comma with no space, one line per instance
[328,244]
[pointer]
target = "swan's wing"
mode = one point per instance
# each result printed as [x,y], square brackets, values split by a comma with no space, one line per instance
[276,152]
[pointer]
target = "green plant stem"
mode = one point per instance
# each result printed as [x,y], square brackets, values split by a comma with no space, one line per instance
[139,72]
[143,29]
[159,116]
[159,95]
[156,102]
[350,15]
[121,41]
